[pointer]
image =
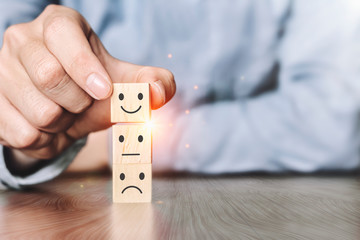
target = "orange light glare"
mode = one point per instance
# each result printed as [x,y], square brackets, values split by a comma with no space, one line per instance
[149,124]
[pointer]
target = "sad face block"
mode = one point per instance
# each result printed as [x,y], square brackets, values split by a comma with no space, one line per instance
[131,144]
[132,183]
[130,103]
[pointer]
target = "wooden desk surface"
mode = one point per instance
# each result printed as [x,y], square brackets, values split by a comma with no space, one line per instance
[188,207]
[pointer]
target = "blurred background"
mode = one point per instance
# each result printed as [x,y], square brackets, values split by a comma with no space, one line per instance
[261,85]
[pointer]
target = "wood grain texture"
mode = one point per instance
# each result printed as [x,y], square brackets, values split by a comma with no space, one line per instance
[132,183]
[131,144]
[130,103]
[187,207]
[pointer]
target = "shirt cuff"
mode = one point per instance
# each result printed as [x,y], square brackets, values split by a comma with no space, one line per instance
[48,172]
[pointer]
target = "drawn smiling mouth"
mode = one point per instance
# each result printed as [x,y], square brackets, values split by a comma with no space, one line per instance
[131,112]
[131,187]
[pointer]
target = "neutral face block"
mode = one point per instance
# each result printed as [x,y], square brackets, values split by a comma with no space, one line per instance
[130,103]
[131,144]
[132,183]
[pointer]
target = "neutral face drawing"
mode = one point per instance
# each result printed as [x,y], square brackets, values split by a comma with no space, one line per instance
[131,144]
[122,139]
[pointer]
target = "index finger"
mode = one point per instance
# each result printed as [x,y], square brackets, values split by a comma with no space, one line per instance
[66,36]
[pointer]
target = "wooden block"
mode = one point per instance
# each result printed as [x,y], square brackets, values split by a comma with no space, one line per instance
[130,103]
[132,221]
[131,144]
[132,183]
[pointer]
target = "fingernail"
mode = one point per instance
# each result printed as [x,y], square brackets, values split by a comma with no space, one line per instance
[161,89]
[98,86]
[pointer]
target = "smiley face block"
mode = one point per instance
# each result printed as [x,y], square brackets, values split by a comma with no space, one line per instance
[130,103]
[132,183]
[131,144]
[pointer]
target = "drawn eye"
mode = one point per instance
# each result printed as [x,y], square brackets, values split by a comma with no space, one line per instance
[122,176]
[121,96]
[140,96]
[140,138]
[121,138]
[141,176]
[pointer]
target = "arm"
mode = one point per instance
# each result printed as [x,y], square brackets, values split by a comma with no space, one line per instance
[308,123]
[44,171]
[15,12]
[55,82]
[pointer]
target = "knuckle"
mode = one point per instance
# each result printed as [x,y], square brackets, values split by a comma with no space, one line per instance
[10,32]
[48,75]
[56,25]
[80,59]
[26,138]
[155,72]
[14,35]
[52,8]
[150,71]
[146,71]
[58,18]
[47,115]
[83,105]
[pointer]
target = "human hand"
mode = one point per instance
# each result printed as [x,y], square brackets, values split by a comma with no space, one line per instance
[51,70]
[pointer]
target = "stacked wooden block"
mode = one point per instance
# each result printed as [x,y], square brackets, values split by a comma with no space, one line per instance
[132,143]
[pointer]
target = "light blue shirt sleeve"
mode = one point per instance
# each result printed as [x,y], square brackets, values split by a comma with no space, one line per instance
[55,167]
[311,121]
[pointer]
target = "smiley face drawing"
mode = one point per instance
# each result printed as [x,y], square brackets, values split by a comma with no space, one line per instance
[140,97]
[131,144]
[130,103]
[132,182]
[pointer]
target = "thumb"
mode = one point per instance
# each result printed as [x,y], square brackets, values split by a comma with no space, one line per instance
[162,81]
[97,117]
